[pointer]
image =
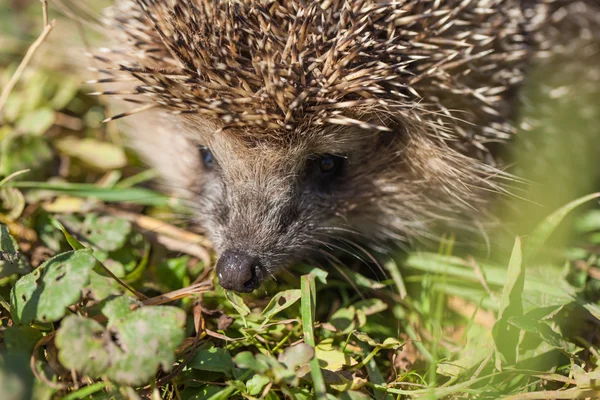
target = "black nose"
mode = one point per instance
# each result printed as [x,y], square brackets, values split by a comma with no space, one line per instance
[239,271]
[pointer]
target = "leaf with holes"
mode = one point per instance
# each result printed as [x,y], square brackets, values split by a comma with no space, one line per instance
[45,294]
[148,338]
[280,302]
[85,346]
[130,351]
[11,261]
[106,232]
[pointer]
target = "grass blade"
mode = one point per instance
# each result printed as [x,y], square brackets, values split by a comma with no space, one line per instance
[308,291]
[543,231]
[133,195]
[506,337]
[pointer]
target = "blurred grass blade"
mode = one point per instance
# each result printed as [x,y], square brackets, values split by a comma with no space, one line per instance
[142,177]
[74,243]
[459,270]
[392,267]
[86,392]
[511,302]
[133,195]
[308,301]
[13,176]
[506,337]
[543,231]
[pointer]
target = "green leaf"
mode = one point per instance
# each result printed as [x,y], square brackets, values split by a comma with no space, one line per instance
[238,303]
[106,232]
[148,337]
[541,330]
[13,203]
[295,356]
[480,345]
[388,343]
[101,287]
[11,261]
[99,155]
[214,359]
[130,351]
[117,308]
[246,359]
[16,378]
[394,270]
[343,319]
[256,384]
[37,122]
[74,243]
[458,277]
[589,222]
[85,346]
[173,273]
[354,395]
[359,279]
[65,94]
[370,306]
[21,339]
[278,371]
[19,152]
[204,392]
[45,294]
[319,273]
[511,303]
[280,302]
[331,358]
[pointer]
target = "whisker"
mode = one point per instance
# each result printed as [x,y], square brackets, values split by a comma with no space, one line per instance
[357,256]
[368,254]
[335,262]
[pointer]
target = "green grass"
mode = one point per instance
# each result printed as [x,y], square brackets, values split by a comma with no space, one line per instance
[106,292]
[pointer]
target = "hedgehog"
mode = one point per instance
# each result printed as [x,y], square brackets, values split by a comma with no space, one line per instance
[295,127]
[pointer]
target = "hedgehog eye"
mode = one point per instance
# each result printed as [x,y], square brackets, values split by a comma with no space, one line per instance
[207,157]
[328,165]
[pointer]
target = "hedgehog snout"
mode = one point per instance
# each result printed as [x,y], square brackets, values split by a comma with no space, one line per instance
[239,271]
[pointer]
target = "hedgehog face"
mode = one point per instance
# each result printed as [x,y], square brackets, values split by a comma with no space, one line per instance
[266,205]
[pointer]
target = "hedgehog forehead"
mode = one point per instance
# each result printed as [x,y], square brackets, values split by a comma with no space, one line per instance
[269,64]
[291,150]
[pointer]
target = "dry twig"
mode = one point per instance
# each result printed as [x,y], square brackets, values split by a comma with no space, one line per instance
[28,56]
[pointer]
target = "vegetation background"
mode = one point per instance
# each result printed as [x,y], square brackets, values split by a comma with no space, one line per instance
[106,292]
